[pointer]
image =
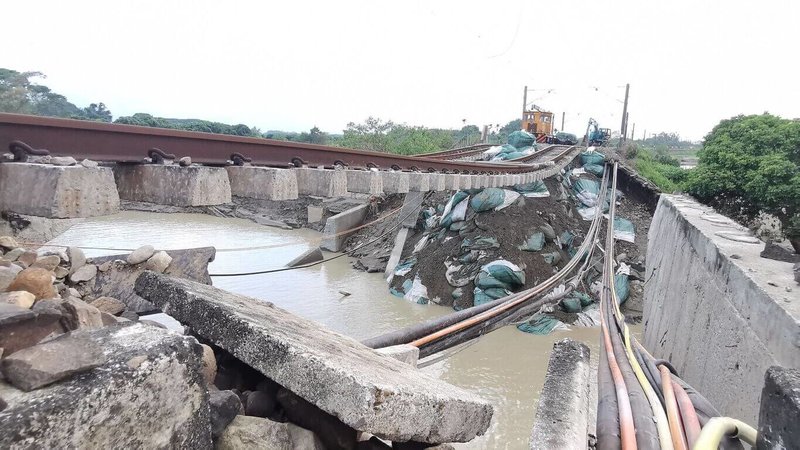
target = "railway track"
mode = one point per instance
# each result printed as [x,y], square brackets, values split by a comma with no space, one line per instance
[131,144]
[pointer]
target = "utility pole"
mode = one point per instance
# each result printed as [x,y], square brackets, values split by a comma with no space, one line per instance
[644,135]
[624,126]
[524,102]
[562,120]
[633,131]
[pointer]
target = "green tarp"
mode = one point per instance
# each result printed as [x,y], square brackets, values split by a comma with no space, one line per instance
[482,296]
[479,243]
[487,199]
[594,169]
[534,243]
[520,139]
[623,230]
[533,189]
[592,158]
[540,324]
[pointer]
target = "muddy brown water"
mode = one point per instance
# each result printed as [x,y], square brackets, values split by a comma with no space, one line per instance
[506,367]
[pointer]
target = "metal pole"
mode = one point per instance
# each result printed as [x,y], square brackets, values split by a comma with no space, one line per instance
[562,120]
[524,102]
[633,132]
[624,113]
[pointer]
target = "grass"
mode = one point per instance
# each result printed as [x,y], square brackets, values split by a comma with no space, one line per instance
[667,176]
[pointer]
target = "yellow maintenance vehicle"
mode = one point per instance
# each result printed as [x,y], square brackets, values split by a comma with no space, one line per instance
[539,123]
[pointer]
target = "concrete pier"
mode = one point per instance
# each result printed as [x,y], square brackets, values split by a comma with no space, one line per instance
[57,192]
[321,182]
[332,239]
[263,182]
[364,182]
[713,307]
[173,185]
[395,182]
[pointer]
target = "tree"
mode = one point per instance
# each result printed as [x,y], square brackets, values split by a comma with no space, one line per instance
[97,112]
[370,135]
[749,165]
[18,94]
[315,136]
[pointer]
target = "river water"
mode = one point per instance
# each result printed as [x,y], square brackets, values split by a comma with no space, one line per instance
[506,367]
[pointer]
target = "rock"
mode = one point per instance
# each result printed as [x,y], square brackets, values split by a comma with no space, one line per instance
[105,266]
[37,281]
[51,361]
[72,292]
[76,258]
[153,323]
[370,264]
[108,305]
[797,273]
[780,253]
[158,262]
[89,163]
[311,256]
[61,253]
[130,315]
[23,299]
[548,231]
[224,406]
[21,327]
[12,255]
[8,242]
[332,431]
[622,257]
[147,395]
[63,161]
[27,258]
[141,254]
[261,404]
[49,262]
[304,439]
[209,365]
[60,272]
[7,276]
[80,315]
[108,319]
[84,273]
[246,432]
[385,397]
[185,161]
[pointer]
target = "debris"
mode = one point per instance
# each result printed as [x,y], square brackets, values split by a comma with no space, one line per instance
[185,161]
[23,299]
[344,293]
[63,161]
[418,293]
[224,406]
[84,273]
[88,163]
[308,257]
[534,243]
[108,305]
[37,281]
[533,189]
[158,262]
[141,254]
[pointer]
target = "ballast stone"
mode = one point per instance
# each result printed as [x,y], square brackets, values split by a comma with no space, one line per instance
[149,394]
[363,389]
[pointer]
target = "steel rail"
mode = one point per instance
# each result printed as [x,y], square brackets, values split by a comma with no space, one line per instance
[130,144]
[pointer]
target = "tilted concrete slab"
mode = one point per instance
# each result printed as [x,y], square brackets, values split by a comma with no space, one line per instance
[365,390]
[364,182]
[173,185]
[336,228]
[149,394]
[397,253]
[419,182]
[263,182]
[721,319]
[57,192]
[562,414]
[395,182]
[321,182]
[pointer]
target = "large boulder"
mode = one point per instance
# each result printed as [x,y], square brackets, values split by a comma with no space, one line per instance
[149,394]
[37,281]
[360,387]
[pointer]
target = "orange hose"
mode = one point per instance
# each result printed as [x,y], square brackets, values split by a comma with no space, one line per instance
[691,423]
[626,427]
[673,415]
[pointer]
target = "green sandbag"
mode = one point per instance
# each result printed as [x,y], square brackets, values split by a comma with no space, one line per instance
[506,148]
[532,189]
[510,156]
[469,257]
[624,230]
[457,226]
[552,258]
[457,293]
[534,243]
[585,299]
[594,169]
[479,243]
[486,281]
[447,217]
[540,324]
[621,286]
[570,305]
[566,239]
[506,272]
[592,158]
[520,139]
[482,296]
[488,199]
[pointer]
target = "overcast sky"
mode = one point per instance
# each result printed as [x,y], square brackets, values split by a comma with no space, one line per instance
[293,65]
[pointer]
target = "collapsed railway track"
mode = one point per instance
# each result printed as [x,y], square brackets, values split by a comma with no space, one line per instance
[131,144]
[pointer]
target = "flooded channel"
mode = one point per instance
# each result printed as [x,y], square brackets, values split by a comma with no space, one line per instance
[506,367]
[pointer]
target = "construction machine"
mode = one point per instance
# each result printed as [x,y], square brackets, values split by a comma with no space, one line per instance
[596,135]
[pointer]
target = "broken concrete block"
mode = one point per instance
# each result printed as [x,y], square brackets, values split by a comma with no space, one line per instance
[54,360]
[247,432]
[335,373]
[408,354]
[311,256]
[149,394]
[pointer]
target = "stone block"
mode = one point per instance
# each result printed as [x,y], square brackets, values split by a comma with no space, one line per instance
[149,394]
[364,182]
[57,191]
[452,182]
[336,228]
[315,213]
[562,415]
[173,185]
[395,182]
[362,388]
[465,181]
[779,415]
[419,182]
[263,182]
[321,182]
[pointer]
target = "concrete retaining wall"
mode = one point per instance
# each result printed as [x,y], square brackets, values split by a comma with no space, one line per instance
[57,192]
[713,307]
[262,182]
[332,240]
[173,185]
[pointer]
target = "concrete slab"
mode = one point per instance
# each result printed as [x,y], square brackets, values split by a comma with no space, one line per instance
[395,182]
[173,185]
[364,182]
[721,319]
[365,390]
[419,182]
[409,213]
[263,182]
[397,253]
[452,182]
[321,182]
[57,192]
[562,414]
[149,394]
[436,182]
[336,227]
[404,353]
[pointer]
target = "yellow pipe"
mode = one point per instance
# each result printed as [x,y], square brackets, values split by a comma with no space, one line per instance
[719,427]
